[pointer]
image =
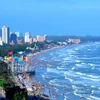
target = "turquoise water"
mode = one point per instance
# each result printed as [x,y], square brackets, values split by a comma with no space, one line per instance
[71,72]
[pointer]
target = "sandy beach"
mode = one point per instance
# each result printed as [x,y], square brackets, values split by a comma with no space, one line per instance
[42,51]
[37,87]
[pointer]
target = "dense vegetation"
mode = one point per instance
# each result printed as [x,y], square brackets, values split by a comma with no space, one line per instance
[15,93]
[12,92]
[5,74]
[16,48]
[52,39]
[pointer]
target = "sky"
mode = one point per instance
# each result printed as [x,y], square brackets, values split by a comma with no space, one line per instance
[51,17]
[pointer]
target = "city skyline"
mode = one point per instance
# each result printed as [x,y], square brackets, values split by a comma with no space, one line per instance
[8,37]
[52,17]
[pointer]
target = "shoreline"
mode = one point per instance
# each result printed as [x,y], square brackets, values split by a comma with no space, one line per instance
[30,59]
[52,48]
[39,53]
[46,50]
[43,51]
[37,87]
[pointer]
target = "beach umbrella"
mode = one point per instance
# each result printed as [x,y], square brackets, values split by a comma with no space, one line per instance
[25,58]
[16,59]
[10,58]
[10,53]
[20,59]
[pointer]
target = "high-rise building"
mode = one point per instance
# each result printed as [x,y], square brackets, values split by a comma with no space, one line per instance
[18,34]
[5,34]
[13,38]
[27,35]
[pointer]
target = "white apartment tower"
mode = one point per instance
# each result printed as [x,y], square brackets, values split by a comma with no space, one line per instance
[5,34]
[27,35]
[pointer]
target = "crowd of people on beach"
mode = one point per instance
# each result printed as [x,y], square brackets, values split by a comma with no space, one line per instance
[37,88]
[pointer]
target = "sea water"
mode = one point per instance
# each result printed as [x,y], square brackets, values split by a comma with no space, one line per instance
[71,72]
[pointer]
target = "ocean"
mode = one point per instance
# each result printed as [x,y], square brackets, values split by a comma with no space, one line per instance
[70,73]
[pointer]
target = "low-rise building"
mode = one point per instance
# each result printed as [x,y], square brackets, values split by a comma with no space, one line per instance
[34,40]
[30,40]
[19,42]
[74,41]
[39,38]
